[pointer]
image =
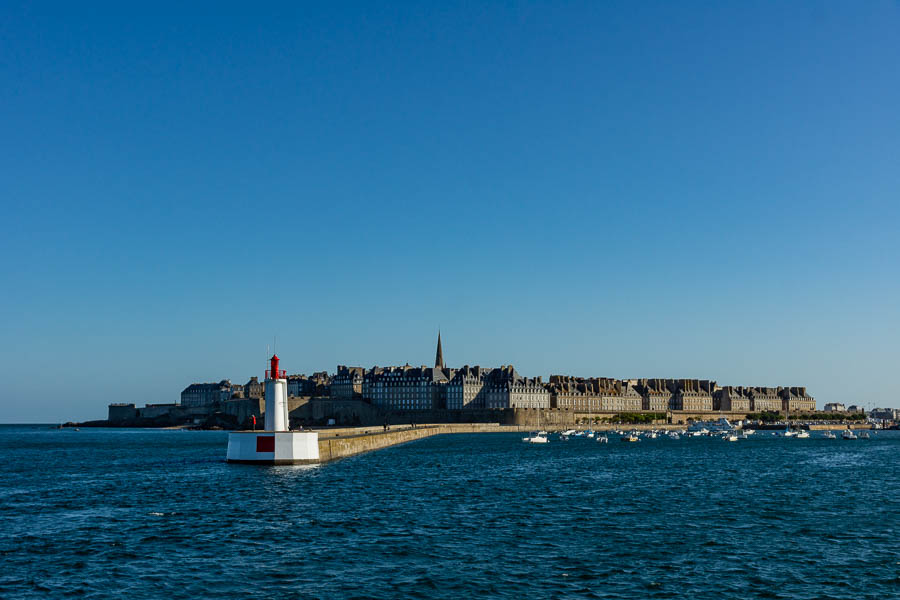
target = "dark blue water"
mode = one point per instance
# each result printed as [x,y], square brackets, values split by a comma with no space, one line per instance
[158,514]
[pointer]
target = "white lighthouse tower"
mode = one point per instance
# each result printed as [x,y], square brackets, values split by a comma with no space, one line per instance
[276,398]
[277,444]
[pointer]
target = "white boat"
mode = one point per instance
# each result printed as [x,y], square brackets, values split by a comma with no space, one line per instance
[802,435]
[789,433]
[536,439]
[829,436]
[848,435]
[631,438]
[603,439]
[544,433]
[865,436]
[569,432]
[748,431]
[730,437]
[674,435]
[652,435]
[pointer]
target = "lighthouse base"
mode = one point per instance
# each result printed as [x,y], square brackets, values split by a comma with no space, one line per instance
[273,447]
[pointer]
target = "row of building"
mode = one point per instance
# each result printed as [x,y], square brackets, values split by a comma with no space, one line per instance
[439,387]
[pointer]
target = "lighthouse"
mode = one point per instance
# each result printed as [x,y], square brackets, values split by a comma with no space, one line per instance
[277,444]
[276,398]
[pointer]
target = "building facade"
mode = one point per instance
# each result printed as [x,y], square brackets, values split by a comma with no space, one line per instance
[315,385]
[656,394]
[254,389]
[466,388]
[406,388]
[796,400]
[205,394]
[692,394]
[347,383]
[732,399]
[596,394]
[765,399]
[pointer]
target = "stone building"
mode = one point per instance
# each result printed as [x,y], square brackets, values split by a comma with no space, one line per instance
[405,388]
[205,394]
[765,399]
[596,394]
[347,383]
[733,399]
[692,394]
[886,414]
[505,388]
[795,399]
[835,407]
[254,389]
[315,385]
[475,387]
[655,393]
[466,388]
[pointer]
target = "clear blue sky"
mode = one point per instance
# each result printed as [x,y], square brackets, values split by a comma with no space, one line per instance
[634,189]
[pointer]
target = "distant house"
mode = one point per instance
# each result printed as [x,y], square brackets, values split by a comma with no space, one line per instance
[254,389]
[766,399]
[655,394]
[795,399]
[835,407]
[888,414]
[347,383]
[205,394]
[733,399]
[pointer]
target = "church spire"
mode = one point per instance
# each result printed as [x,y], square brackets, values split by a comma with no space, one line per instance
[439,357]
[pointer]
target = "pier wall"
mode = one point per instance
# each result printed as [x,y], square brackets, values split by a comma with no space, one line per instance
[344,442]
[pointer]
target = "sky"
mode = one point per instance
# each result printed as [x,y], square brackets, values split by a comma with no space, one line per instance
[620,189]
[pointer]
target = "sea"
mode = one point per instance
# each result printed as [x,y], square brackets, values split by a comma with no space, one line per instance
[116,513]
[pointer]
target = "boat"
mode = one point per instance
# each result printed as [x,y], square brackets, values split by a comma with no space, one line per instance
[748,431]
[536,439]
[569,432]
[730,437]
[829,436]
[603,439]
[865,436]
[631,438]
[788,433]
[720,426]
[848,435]
[674,435]
[802,435]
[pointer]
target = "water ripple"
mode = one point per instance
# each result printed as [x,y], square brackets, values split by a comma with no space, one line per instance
[149,514]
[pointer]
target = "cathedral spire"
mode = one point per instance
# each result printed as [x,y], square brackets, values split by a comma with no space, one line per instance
[439,357]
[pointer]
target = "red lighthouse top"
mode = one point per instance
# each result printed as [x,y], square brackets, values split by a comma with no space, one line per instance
[273,372]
